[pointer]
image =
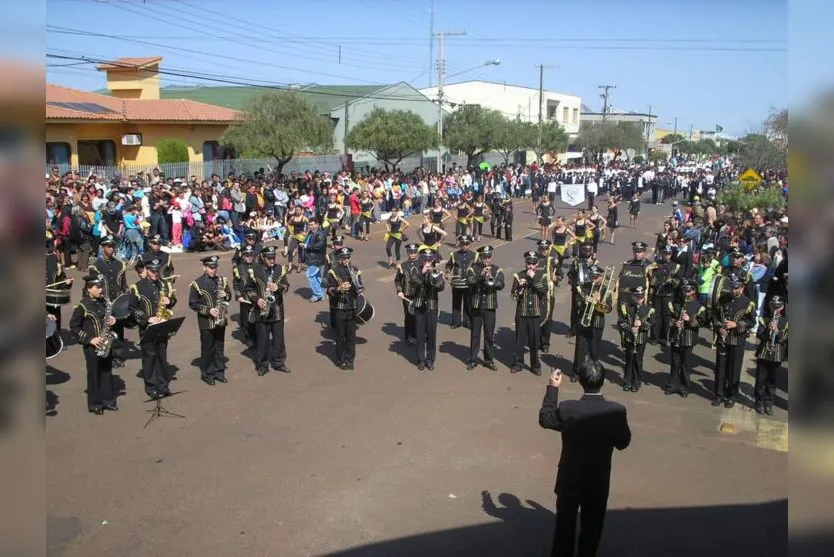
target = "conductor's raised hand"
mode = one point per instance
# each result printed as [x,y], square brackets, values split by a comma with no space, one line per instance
[555,379]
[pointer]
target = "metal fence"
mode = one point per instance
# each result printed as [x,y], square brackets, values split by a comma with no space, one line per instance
[204,170]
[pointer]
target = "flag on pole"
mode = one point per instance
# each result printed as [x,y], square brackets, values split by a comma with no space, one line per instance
[718,129]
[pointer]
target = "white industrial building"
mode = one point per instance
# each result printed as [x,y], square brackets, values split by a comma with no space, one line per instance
[513,101]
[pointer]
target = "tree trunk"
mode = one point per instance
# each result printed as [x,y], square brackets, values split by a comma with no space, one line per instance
[279,166]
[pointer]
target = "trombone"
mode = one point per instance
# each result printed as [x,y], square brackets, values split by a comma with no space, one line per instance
[604,290]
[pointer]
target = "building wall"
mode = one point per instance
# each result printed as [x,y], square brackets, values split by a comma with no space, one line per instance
[360,108]
[133,84]
[194,136]
[514,101]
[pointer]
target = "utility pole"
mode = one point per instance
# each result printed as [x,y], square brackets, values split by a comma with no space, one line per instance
[344,138]
[690,132]
[541,104]
[605,94]
[441,71]
[648,130]
[431,40]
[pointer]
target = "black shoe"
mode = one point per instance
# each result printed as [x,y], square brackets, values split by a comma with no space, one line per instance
[729,403]
[574,378]
[683,394]
[262,371]
[421,366]
[97,411]
[768,409]
[221,379]
[430,366]
[626,388]
[537,371]
[668,391]
[153,395]
[635,388]
[349,366]
[515,369]
[118,362]
[759,408]
[208,381]
[281,367]
[491,365]
[470,366]
[111,407]
[545,349]
[717,401]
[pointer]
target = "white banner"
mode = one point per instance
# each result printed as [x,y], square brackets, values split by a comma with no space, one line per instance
[573,194]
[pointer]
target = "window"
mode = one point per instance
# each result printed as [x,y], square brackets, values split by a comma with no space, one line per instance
[565,115]
[551,112]
[97,152]
[213,151]
[575,116]
[58,154]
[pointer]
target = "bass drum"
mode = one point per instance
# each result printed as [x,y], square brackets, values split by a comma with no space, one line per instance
[54,343]
[364,310]
[718,291]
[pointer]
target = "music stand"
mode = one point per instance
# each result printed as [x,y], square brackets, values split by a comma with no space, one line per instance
[161,331]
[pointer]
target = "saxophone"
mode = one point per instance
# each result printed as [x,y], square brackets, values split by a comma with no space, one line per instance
[222,305]
[106,332]
[162,312]
[268,295]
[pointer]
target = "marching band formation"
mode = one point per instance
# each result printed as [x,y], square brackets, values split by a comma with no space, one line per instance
[654,301]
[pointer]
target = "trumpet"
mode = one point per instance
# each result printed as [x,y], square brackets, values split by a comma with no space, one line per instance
[489,278]
[597,298]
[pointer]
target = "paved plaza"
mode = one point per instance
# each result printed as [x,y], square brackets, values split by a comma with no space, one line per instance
[388,460]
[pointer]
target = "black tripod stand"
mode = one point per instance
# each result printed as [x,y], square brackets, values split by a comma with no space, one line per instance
[159,411]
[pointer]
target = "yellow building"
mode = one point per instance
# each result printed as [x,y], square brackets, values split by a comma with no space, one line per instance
[123,128]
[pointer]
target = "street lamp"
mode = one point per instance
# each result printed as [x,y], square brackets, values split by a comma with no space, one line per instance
[495,62]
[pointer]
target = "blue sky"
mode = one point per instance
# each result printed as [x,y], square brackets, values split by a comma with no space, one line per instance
[705,62]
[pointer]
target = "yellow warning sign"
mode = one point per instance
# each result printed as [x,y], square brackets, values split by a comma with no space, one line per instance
[750,179]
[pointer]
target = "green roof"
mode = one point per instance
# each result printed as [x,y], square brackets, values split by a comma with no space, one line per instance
[323,97]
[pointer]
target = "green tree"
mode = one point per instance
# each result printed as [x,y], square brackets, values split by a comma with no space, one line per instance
[707,147]
[638,159]
[553,139]
[171,150]
[391,136]
[758,152]
[776,126]
[278,125]
[511,136]
[658,156]
[738,199]
[472,130]
[671,138]
[610,135]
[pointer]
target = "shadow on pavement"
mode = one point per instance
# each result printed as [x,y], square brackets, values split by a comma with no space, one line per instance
[526,530]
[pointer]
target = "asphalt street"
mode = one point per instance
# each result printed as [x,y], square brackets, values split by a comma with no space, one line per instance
[388,460]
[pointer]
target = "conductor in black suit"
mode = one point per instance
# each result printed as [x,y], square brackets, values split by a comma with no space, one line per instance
[591,428]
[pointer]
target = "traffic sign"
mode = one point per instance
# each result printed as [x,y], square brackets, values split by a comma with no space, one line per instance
[750,179]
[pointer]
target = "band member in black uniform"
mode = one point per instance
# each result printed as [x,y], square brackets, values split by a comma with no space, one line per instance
[529,291]
[773,341]
[549,266]
[90,324]
[151,300]
[495,213]
[333,259]
[268,282]
[427,281]
[344,285]
[579,274]
[406,290]
[250,238]
[115,284]
[663,280]
[56,277]
[485,280]
[634,272]
[154,252]
[734,318]
[736,267]
[209,296]
[687,317]
[456,267]
[635,320]
[589,339]
[242,283]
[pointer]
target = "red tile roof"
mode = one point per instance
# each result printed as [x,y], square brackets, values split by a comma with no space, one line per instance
[130,63]
[131,110]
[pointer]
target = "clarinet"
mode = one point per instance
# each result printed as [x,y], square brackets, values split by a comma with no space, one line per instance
[106,332]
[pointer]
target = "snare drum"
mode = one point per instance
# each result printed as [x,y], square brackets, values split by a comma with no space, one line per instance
[54,343]
[364,310]
[57,297]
